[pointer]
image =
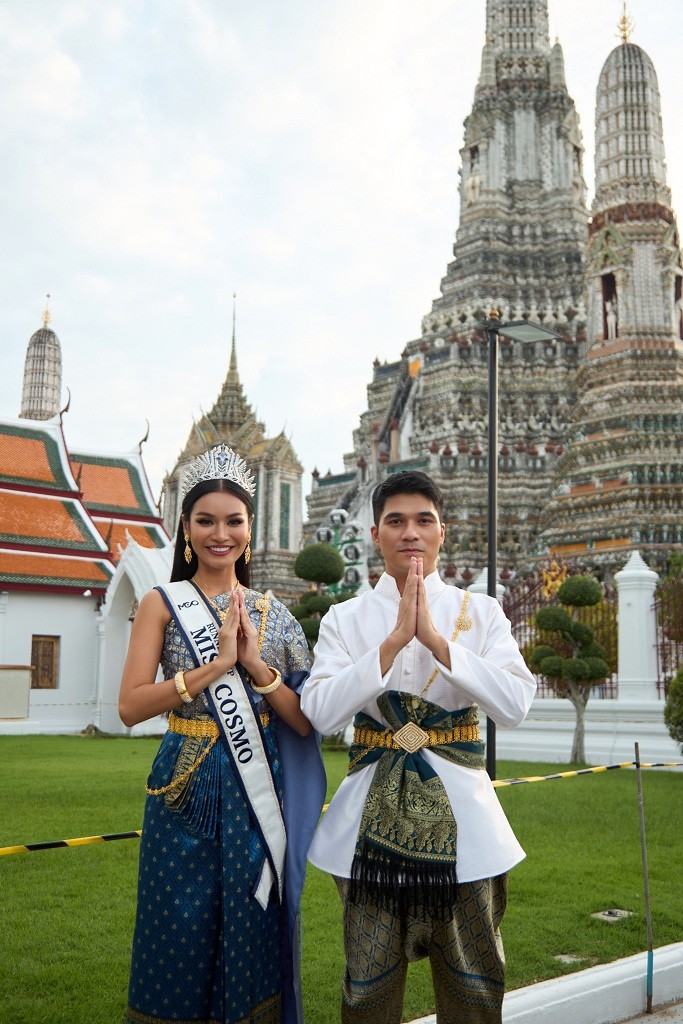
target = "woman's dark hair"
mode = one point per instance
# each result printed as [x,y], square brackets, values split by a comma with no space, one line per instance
[406,482]
[182,570]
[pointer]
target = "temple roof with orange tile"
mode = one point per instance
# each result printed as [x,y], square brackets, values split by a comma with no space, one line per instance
[34,456]
[115,534]
[35,570]
[111,483]
[40,520]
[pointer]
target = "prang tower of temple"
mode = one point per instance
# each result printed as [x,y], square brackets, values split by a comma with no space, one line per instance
[589,452]
[42,388]
[620,482]
[520,248]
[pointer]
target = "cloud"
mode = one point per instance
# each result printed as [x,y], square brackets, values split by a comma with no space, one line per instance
[38,79]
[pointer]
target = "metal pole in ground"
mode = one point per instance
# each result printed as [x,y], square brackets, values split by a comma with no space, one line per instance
[646,882]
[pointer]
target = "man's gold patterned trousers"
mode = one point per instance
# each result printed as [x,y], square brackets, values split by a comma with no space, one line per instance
[465,951]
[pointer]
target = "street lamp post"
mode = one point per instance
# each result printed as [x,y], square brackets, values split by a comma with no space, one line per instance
[517,330]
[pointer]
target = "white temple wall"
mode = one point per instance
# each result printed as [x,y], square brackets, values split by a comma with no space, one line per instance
[72,618]
[612,728]
[117,627]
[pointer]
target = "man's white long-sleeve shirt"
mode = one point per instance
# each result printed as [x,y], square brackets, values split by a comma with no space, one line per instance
[486,669]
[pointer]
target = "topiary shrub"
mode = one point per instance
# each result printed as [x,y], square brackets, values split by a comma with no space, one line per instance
[319,563]
[579,591]
[576,662]
[673,709]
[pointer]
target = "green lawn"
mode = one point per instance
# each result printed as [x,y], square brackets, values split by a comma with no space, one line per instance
[67,914]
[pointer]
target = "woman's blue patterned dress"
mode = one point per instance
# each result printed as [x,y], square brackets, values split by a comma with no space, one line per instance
[204,950]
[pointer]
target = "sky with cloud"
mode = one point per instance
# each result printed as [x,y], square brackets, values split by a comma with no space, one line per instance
[159,155]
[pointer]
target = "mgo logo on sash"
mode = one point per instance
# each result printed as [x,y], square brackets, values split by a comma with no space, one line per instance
[206,640]
[227,706]
[188,604]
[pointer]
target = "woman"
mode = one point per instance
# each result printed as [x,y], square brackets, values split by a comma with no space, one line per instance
[216,934]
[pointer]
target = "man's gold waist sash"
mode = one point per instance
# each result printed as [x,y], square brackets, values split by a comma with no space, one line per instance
[411,737]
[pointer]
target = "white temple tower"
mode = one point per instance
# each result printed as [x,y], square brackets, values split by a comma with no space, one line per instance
[621,480]
[519,247]
[42,388]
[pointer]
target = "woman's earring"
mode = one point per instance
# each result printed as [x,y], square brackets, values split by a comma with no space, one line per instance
[188,549]
[247,552]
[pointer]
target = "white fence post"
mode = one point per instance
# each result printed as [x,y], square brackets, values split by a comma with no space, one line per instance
[637,631]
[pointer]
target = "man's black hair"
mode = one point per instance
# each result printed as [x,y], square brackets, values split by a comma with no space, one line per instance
[408,481]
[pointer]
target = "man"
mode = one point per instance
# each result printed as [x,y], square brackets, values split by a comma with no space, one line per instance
[415,836]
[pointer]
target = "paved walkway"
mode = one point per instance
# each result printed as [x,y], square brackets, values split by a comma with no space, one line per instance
[671,1014]
[606,994]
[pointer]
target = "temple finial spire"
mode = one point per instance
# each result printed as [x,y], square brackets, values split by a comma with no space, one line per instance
[233,350]
[46,312]
[626,25]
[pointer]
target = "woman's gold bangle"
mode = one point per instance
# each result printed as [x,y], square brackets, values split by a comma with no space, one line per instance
[263,690]
[183,692]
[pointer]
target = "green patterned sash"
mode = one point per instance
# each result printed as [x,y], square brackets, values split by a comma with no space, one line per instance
[405,854]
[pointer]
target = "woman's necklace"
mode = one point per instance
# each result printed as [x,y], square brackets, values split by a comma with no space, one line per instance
[462,625]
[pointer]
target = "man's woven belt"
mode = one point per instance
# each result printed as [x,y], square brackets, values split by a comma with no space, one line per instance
[411,737]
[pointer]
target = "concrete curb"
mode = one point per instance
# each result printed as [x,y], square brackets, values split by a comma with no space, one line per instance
[599,995]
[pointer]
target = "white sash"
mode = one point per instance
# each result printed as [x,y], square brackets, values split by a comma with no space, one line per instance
[234,713]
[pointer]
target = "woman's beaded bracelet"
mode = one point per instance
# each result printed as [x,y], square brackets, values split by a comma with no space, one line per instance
[263,690]
[183,692]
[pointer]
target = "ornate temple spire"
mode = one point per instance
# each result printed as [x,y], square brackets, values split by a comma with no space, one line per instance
[626,25]
[633,249]
[518,26]
[42,388]
[621,482]
[231,409]
[629,138]
[522,193]
[233,349]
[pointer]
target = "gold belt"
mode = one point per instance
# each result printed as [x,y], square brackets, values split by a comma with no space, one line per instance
[204,728]
[411,737]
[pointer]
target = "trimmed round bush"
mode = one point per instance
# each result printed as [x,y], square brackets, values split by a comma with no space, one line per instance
[320,563]
[597,667]
[299,611]
[538,654]
[593,650]
[582,634]
[580,592]
[320,603]
[553,619]
[552,667]
[311,627]
[673,709]
[575,670]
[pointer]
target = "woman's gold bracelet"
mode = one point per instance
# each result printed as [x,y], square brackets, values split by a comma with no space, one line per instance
[263,690]
[183,691]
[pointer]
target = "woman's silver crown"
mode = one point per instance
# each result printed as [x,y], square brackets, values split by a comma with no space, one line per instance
[220,463]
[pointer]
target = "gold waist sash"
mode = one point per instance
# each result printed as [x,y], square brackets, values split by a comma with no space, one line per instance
[203,728]
[412,737]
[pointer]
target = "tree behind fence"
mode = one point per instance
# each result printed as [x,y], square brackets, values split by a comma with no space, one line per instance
[526,596]
[668,605]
